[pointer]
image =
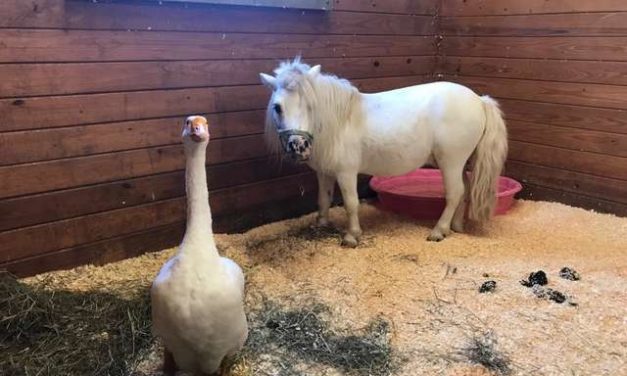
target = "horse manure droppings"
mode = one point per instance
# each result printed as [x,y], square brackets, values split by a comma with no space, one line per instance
[552,295]
[556,296]
[569,274]
[487,286]
[535,278]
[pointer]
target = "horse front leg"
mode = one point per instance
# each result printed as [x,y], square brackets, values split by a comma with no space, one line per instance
[326,186]
[348,186]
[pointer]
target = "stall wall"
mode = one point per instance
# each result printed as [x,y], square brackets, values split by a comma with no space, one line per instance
[559,68]
[93,94]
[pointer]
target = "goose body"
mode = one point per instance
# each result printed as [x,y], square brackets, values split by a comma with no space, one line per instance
[197,297]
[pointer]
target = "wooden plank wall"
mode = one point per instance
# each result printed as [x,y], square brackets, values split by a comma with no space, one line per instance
[92,95]
[559,68]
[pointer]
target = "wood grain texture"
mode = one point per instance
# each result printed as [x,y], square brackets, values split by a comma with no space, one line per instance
[31,45]
[569,181]
[99,253]
[65,173]
[508,7]
[600,119]
[594,95]
[538,47]
[75,78]
[558,69]
[613,73]
[59,111]
[220,18]
[156,239]
[46,238]
[427,7]
[74,202]
[66,142]
[92,96]
[571,160]
[567,138]
[168,16]
[33,13]
[538,192]
[570,24]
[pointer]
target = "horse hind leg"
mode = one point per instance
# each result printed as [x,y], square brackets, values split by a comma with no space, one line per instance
[457,224]
[452,174]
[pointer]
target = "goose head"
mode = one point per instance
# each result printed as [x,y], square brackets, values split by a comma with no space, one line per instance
[195,130]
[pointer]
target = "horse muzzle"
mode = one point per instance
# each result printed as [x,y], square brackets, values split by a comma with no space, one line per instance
[297,144]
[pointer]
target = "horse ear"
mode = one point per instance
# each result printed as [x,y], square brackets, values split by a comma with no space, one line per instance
[268,80]
[314,71]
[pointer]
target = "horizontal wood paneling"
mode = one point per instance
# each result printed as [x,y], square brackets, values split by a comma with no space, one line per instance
[541,192]
[601,119]
[606,72]
[66,142]
[572,160]
[70,78]
[386,6]
[559,70]
[570,181]
[571,24]
[595,95]
[567,138]
[92,96]
[136,191]
[508,7]
[156,16]
[538,47]
[64,173]
[158,238]
[33,13]
[68,203]
[59,111]
[45,238]
[31,45]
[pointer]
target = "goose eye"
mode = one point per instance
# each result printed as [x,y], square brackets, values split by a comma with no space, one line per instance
[278,109]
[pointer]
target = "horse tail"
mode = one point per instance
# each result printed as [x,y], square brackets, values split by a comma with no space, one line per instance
[489,159]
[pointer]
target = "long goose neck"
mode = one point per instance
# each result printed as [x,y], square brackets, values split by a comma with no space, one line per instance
[199,232]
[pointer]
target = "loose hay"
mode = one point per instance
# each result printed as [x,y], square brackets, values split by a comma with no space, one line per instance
[483,349]
[302,336]
[58,332]
[427,293]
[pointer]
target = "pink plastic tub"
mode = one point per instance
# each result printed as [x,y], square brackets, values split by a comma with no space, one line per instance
[420,193]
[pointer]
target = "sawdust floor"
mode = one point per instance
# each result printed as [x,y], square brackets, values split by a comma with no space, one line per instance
[428,292]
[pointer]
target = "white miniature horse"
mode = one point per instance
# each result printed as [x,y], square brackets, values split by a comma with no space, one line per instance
[339,132]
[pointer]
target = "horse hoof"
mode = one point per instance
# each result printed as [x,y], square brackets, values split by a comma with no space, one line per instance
[349,241]
[457,227]
[435,237]
[322,222]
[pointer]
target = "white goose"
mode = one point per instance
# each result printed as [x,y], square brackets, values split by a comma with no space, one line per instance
[197,297]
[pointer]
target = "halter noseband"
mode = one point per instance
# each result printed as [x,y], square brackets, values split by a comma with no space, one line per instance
[285,135]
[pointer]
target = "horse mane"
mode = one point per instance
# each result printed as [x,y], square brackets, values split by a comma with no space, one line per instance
[331,103]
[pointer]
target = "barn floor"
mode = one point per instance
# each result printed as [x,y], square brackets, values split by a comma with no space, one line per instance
[414,304]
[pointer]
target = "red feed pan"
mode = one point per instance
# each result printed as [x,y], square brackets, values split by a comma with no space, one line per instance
[420,193]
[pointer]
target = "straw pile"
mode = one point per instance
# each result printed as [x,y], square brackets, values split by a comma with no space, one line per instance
[395,305]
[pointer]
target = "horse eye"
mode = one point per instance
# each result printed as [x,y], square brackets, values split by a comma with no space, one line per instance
[278,109]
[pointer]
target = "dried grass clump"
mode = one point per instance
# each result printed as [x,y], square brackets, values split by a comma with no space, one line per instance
[58,332]
[483,350]
[293,338]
